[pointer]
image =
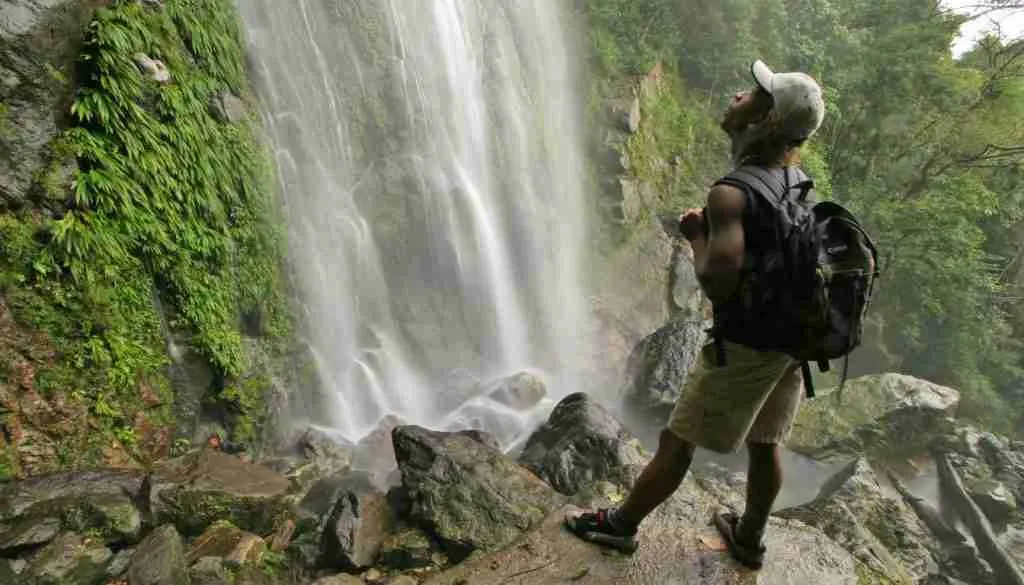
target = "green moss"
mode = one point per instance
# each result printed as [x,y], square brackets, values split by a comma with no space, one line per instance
[167,201]
[246,403]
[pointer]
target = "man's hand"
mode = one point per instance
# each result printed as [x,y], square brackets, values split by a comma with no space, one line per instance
[691,224]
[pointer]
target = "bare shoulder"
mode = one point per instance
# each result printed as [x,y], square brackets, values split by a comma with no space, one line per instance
[726,201]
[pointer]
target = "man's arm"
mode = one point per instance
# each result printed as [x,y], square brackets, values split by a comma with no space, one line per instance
[718,257]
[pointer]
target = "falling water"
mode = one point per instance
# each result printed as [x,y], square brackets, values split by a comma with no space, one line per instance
[429,156]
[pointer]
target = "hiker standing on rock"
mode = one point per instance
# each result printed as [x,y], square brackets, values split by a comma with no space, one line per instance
[740,390]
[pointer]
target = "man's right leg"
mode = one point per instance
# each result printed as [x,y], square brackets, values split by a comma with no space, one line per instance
[659,479]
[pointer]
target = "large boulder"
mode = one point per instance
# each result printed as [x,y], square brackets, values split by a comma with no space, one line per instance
[889,416]
[465,493]
[992,472]
[102,503]
[70,559]
[582,443]
[659,365]
[226,541]
[881,532]
[159,559]
[194,491]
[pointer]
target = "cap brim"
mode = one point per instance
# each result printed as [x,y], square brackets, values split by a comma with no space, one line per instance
[762,75]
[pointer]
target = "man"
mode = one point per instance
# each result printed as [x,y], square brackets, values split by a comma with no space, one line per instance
[736,393]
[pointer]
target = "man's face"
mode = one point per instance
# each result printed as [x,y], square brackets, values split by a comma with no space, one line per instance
[745,108]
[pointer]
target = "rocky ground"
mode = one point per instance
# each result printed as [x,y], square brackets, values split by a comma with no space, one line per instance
[459,511]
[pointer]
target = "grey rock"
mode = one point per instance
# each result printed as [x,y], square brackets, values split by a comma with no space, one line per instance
[467,495]
[70,559]
[316,510]
[35,511]
[209,571]
[194,491]
[28,533]
[660,364]
[119,564]
[354,532]
[328,454]
[882,532]
[633,119]
[521,391]
[228,108]
[155,69]
[889,416]
[582,443]
[159,559]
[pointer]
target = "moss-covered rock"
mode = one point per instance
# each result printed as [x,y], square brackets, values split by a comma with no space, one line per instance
[881,532]
[71,559]
[582,443]
[159,559]
[197,490]
[409,548]
[890,416]
[467,494]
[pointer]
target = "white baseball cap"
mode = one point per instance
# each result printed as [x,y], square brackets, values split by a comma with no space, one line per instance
[797,100]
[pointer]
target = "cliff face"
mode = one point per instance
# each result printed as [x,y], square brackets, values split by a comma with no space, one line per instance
[139,261]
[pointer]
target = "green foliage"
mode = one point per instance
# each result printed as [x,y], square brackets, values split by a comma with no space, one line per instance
[246,404]
[925,149]
[167,203]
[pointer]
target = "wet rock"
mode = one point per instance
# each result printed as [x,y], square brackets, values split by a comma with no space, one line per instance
[883,533]
[159,559]
[678,547]
[70,559]
[410,548]
[582,443]
[39,44]
[316,510]
[659,365]
[1007,464]
[889,416]
[374,453]
[521,391]
[118,565]
[467,495]
[196,490]
[328,454]
[402,580]
[228,108]
[34,511]
[209,571]
[358,524]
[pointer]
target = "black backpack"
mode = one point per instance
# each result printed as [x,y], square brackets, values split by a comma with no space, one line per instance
[808,284]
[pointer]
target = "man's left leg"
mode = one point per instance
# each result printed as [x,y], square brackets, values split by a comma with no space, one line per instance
[764,481]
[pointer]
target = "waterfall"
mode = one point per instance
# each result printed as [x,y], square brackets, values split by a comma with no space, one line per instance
[430,162]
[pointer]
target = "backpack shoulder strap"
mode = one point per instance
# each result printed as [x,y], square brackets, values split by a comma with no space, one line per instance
[757,180]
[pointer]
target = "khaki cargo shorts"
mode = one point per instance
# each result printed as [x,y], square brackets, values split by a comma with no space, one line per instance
[753,398]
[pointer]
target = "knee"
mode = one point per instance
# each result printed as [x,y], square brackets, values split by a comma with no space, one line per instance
[674,453]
